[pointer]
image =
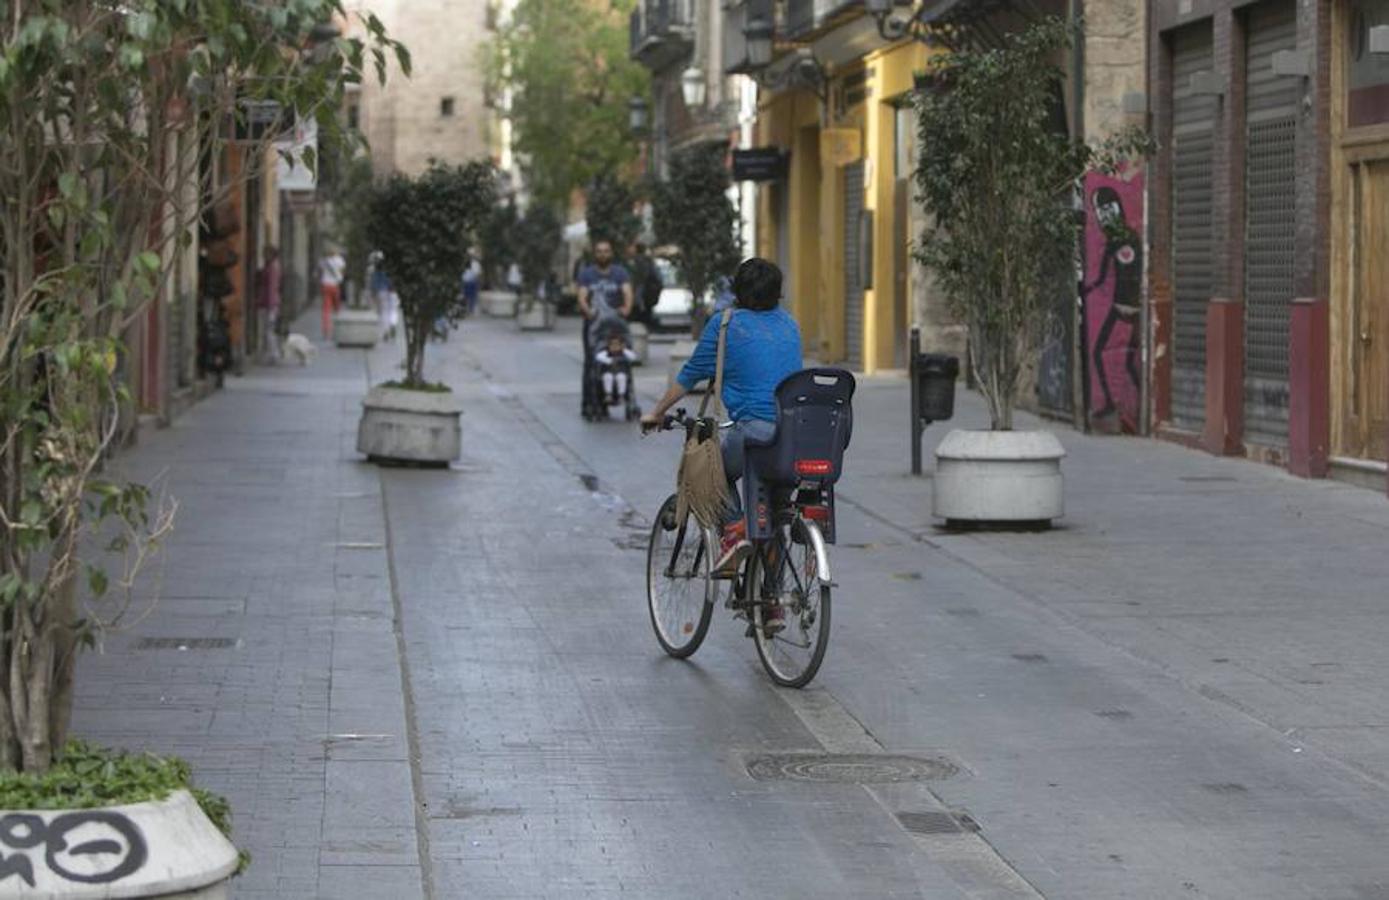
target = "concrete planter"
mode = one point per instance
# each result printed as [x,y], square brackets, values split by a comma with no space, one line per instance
[164,848]
[499,304]
[999,476]
[535,315]
[410,426]
[356,328]
[641,342]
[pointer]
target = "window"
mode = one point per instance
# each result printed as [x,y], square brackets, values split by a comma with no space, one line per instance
[446,107]
[354,117]
[904,140]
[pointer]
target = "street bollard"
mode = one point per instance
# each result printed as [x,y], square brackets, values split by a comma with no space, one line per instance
[932,378]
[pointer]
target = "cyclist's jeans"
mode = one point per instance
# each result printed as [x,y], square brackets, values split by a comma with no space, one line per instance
[731,442]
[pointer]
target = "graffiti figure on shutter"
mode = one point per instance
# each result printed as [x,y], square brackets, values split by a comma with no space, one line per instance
[1113,297]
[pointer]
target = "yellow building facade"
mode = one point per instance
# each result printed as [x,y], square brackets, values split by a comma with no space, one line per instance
[841,222]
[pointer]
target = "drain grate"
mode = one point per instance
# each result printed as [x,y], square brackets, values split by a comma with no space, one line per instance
[1030,657]
[1207,479]
[1114,714]
[1226,787]
[963,611]
[177,643]
[937,822]
[850,768]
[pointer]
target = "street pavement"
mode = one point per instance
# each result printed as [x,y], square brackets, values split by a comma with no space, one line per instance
[443,683]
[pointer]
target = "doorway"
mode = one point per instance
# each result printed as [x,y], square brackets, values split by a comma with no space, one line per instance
[1365,434]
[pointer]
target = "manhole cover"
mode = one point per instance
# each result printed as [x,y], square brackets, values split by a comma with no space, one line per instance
[849,768]
[188,643]
[937,822]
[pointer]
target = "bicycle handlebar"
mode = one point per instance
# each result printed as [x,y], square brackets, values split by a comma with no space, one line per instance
[668,422]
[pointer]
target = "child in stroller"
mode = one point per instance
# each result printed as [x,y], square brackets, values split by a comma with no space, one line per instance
[609,380]
[615,368]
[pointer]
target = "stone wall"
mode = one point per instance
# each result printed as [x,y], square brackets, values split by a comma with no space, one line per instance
[403,121]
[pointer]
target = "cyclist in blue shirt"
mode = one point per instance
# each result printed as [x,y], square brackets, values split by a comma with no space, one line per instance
[763,347]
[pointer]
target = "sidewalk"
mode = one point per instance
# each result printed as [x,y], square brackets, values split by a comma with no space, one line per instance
[274,670]
[1187,674]
[1261,591]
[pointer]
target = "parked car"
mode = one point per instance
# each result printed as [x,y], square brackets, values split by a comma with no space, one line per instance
[675,306]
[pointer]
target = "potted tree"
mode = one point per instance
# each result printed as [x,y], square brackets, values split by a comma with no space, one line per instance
[692,211]
[996,176]
[357,324]
[422,226]
[107,112]
[497,243]
[537,238]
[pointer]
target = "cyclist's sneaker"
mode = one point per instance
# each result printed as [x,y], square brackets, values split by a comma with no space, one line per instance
[773,619]
[734,547]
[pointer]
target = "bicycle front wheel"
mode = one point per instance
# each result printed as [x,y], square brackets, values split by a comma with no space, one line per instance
[784,576]
[679,585]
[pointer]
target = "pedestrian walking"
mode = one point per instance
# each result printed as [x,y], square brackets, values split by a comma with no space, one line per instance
[646,282]
[513,278]
[472,283]
[330,275]
[268,306]
[384,296]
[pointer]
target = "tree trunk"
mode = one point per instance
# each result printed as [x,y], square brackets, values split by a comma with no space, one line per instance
[63,635]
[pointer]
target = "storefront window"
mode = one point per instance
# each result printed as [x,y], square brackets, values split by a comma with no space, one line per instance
[1367,78]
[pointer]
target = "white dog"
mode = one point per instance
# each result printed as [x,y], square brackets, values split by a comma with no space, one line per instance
[299,347]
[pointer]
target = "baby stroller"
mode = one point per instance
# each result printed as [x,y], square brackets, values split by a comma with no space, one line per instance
[595,398]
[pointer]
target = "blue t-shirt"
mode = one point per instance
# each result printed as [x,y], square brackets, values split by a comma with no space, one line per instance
[604,287]
[763,347]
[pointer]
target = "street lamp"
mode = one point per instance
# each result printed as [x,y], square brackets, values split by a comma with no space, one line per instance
[759,38]
[692,87]
[636,114]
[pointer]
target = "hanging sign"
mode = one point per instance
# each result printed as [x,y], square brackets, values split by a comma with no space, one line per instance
[839,146]
[759,164]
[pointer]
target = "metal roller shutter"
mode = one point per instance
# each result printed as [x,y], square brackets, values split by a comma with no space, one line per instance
[1270,221]
[1193,128]
[853,284]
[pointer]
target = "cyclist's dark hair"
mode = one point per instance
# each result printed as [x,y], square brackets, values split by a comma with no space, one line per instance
[757,284]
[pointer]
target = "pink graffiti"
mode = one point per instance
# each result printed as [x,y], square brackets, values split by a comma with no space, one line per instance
[1112,293]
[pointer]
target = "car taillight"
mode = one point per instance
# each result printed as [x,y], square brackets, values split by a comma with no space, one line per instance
[816,513]
[812,467]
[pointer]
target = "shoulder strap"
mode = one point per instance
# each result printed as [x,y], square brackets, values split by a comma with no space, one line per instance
[717,390]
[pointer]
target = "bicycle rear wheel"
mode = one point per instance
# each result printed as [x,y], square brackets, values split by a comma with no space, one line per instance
[679,585]
[793,654]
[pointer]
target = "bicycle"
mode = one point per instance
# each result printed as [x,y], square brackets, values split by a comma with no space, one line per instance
[788,488]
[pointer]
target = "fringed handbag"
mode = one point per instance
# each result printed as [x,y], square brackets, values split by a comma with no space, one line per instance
[701,487]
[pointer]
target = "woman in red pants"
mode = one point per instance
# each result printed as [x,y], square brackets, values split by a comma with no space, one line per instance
[330,270]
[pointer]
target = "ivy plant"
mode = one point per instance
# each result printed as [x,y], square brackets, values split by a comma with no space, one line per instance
[423,225]
[996,177]
[106,111]
[691,210]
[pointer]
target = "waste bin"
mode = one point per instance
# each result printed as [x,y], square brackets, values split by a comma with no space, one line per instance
[935,375]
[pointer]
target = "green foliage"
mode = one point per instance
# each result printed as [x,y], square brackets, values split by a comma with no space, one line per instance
[497,241]
[609,212]
[351,210]
[537,241]
[997,177]
[423,227]
[566,64]
[86,777]
[105,111]
[692,211]
[427,387]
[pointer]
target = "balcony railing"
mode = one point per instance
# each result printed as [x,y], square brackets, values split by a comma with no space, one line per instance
[735,43]
[805,18]
[662,32]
